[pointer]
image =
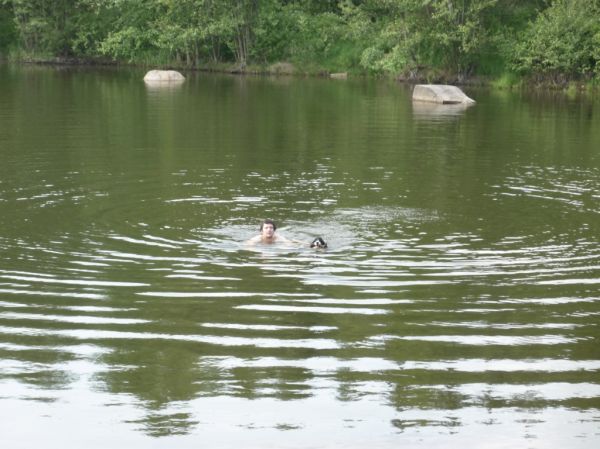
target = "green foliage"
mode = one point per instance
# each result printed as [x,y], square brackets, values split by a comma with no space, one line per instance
[277,26]
[45,27]
[329,40]
[315,37]
[506,81]
[8,33]
[431,39]
[130,43]
[132,35]
[563,42]
[444,34]
[90,28]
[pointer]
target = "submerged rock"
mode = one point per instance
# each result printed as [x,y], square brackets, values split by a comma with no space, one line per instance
[428,111]
[163,76]
[339,76]
[441,94]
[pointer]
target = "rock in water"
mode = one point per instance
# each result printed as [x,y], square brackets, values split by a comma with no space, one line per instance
[441,94]
[339,76]
[163,76]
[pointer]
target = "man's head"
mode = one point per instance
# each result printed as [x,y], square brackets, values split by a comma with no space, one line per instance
[267,228]
[268,221]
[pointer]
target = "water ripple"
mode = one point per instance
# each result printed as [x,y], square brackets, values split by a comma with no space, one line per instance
[99,334]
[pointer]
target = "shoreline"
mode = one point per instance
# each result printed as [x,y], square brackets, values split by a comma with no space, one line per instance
[589,87]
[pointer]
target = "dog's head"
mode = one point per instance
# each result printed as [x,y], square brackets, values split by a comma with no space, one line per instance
[318,243]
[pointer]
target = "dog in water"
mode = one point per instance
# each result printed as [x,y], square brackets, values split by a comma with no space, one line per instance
[318,243]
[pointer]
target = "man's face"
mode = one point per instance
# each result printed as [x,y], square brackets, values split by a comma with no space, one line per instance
[268,230]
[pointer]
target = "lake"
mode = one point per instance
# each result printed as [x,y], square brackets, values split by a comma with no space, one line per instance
[457,306]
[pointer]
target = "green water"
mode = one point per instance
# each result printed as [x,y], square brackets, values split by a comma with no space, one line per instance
[457,305]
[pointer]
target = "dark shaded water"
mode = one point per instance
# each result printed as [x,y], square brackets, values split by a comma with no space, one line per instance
[457,306]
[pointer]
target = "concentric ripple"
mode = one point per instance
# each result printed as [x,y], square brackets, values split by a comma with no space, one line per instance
[458,295]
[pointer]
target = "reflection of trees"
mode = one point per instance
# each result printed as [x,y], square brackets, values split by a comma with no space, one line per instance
[42,376]
[285,383]
[161,425]
[166,375]
[157,373]
[163,375]
[415,395]
[38,366]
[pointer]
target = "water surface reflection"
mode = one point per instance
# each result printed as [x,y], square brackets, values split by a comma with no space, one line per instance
[458,297]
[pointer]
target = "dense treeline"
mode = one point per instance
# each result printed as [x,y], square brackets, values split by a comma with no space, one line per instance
[553,40]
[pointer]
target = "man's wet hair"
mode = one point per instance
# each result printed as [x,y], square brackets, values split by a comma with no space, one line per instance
[268,221]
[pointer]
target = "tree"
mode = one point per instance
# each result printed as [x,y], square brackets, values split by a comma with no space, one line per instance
[445,34]
[44,26]
[8,34]
[562,42]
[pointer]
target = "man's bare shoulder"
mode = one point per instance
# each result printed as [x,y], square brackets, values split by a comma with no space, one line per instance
[254,240]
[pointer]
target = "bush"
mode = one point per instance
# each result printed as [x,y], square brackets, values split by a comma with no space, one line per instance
[562,43]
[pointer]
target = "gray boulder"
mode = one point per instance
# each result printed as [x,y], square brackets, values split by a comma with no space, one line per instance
[163,76]
[440,94]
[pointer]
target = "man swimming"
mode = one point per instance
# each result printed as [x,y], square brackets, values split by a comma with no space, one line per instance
[268,235]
